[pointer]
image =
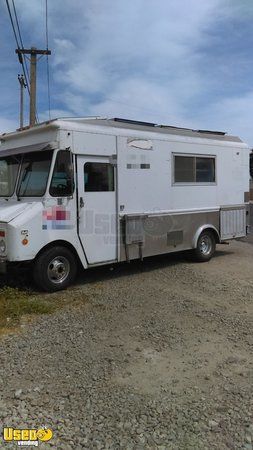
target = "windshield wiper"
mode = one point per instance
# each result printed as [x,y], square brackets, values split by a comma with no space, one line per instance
[27,170]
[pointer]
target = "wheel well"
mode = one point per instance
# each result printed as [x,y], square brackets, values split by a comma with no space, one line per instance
[200,230]
[60,243]
[214,233]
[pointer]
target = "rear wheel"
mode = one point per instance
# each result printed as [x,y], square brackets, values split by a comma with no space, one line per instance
[206,246]
[55,269]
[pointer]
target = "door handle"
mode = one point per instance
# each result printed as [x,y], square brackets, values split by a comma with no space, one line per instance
[81,202]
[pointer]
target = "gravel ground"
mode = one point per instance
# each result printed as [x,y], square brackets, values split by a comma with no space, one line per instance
[152,355]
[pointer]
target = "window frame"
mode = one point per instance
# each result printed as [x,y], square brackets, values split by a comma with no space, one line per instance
[103,163]
[54,160]
[19,181]
[194,183]
[17,176]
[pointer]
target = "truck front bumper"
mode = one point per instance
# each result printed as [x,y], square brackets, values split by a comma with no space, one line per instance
[3,266]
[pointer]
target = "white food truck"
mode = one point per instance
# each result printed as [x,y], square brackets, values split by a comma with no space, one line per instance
[99,191]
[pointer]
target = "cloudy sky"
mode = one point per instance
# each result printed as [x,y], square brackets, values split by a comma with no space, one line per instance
[180,62]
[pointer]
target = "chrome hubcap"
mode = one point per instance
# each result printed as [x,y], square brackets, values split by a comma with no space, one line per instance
[58,270]
[205,245]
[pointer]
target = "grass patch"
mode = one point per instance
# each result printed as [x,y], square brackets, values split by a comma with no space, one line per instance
[15,303]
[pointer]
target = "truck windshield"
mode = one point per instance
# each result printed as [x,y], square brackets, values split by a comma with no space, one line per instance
[34,174]
[8,175]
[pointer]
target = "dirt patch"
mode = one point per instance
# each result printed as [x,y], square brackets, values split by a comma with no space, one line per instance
[152,355]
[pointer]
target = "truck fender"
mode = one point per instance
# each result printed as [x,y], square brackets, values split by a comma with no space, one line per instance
[202,228]
[76,251]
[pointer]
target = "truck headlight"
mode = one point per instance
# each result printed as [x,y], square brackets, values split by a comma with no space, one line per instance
[2,246]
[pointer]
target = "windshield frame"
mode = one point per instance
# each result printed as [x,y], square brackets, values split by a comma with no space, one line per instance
[21,171]
[14,186]
[17,195]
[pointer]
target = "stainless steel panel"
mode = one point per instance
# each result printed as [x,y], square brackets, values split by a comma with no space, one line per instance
[175,237]
[156,232]
[232,222]
[134,229]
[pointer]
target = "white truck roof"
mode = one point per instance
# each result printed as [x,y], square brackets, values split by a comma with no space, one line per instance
[119,124]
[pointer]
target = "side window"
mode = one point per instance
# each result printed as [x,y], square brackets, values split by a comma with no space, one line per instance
[194,169]
[98,177]
[184,169]
[205,170]
[62,183]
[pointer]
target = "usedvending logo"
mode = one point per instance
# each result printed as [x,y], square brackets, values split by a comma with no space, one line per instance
[27,436]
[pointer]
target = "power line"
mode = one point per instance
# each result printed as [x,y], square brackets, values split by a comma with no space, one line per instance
[12,23]
[19,46]
[22,52]
[16,18]
[48,75]
[23,60]
[33,52]
[16,39]
[48,90]
[46,25]
[22,45]
[20,49]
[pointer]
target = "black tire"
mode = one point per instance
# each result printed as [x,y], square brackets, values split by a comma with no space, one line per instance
[206,246]
[55,269]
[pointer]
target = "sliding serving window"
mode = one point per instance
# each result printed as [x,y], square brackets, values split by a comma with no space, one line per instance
[194,169]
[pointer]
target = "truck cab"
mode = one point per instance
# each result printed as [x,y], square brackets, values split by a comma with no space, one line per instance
[37,201]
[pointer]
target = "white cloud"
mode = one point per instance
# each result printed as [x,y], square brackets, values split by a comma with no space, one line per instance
[62,47]
[137,59]
[156,38]
[7,125]
[235,8]
[55,114]
[143,60]
[233,115]
[141,99]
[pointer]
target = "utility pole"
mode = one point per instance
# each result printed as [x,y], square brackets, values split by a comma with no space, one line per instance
[33,52]
[22,86]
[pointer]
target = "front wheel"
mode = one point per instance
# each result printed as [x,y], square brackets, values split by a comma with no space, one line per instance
[55,269]
[206,246]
